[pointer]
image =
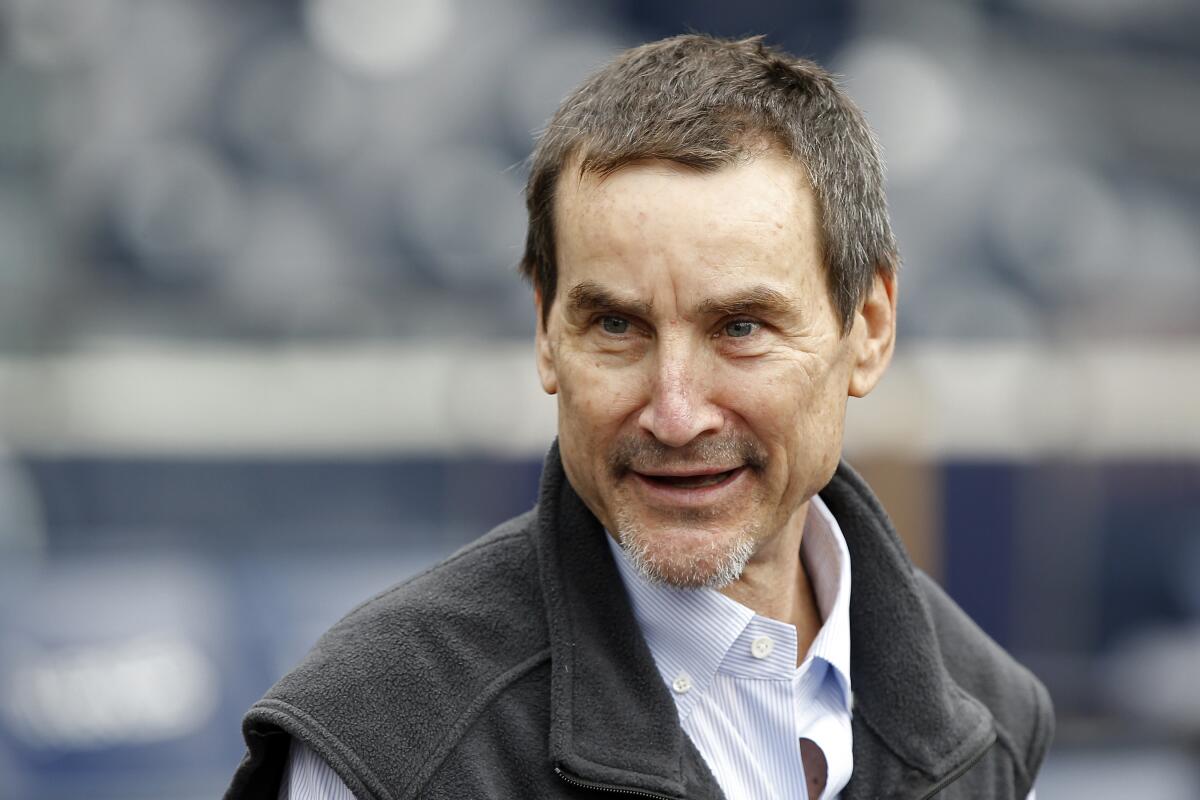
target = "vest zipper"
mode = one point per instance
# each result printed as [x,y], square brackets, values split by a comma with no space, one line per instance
[603,787]
[958,773]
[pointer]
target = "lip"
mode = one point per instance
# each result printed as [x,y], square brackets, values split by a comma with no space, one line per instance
[680,496]
[680,472]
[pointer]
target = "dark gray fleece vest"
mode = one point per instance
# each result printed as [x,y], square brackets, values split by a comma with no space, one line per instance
[515,669]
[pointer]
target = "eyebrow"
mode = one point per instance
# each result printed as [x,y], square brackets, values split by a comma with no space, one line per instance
[591,296]
[759,300]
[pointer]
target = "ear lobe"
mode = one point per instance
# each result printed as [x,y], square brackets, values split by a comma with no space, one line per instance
[877,335]
[547,371]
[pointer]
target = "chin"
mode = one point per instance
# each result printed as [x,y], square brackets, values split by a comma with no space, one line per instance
[687,556]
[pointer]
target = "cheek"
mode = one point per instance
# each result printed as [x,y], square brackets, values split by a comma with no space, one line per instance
[798,419]
[595,401]
[775,407]
[818,439]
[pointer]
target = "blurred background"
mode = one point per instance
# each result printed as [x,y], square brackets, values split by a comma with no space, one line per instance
[263,350]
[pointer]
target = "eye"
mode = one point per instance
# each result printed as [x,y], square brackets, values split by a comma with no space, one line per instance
[614,325]
[740,328]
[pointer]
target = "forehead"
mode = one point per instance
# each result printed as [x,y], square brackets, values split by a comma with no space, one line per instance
[758,216]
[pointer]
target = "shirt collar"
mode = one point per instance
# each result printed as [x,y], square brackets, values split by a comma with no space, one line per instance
[827,561]
[690,631]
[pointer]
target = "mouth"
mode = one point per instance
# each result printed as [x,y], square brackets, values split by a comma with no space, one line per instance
[696,479]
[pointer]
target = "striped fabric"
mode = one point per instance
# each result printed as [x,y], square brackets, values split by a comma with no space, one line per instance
[740,696]
[309,777]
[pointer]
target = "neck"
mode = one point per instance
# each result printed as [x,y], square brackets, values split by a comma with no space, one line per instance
[775,584]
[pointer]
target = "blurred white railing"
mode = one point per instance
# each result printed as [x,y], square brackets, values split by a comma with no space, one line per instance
[989,401]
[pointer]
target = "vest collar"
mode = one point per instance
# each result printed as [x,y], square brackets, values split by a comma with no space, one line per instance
[614,724]
[906,703]
[611,719]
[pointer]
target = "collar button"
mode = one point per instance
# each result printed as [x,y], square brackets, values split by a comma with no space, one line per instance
[762,647]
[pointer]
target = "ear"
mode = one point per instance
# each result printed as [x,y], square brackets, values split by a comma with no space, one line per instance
[545,353]
[874,335]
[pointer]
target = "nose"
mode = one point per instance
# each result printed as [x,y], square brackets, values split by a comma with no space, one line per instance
[680,408]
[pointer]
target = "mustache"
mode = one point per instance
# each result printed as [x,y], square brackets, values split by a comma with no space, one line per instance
[635,453]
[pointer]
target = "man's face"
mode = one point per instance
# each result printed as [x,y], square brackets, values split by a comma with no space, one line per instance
[700,374]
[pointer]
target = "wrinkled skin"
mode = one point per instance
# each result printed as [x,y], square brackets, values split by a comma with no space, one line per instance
[700,368]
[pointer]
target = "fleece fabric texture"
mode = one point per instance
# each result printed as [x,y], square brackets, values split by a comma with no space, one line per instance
[515,669]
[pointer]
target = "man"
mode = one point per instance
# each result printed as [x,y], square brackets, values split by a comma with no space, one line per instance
[704,603]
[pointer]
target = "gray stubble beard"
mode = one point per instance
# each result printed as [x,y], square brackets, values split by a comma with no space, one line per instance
[719,564]
[714,567]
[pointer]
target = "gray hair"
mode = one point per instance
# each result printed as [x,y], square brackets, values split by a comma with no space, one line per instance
[707,103]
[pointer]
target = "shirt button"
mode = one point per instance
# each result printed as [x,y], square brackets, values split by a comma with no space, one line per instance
[762,647]
[682,684]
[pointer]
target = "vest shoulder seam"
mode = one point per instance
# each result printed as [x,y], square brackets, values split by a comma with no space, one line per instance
[341,758]
[1005,739]
[353,770]
[1024,761]
[455,733]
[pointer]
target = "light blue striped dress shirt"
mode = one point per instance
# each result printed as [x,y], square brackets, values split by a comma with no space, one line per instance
[740,696]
